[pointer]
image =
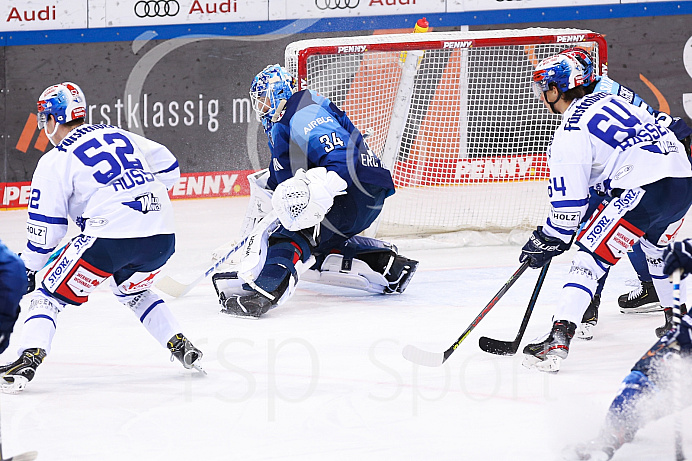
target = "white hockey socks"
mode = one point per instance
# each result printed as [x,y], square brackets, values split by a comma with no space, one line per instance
[40,325]
[154,314]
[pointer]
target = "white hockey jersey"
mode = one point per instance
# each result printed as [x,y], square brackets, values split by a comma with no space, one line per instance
[110,182]
[606,143]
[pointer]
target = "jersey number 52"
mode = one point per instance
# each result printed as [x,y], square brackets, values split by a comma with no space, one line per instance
[93,152]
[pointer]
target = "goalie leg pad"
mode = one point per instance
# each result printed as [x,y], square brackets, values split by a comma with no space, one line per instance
[382,258]
[288,255]
[400,273]
[338,270]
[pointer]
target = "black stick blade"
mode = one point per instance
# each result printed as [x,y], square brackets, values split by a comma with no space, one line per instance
[497,347]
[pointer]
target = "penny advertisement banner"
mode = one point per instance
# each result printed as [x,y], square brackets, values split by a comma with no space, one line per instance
[191,92]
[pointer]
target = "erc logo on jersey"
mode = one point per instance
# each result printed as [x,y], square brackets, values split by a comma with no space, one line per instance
[145,203]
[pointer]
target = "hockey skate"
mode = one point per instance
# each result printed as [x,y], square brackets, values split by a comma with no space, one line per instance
[589,319]
[668,311]
[547,355]
[17,374]
[641,299]
[187,354]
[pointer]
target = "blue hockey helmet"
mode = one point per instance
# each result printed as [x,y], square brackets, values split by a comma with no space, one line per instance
[584,58]
[64,101]
[561,70]
[269,92]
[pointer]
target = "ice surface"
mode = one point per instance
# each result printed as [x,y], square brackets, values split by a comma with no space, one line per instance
[323,377]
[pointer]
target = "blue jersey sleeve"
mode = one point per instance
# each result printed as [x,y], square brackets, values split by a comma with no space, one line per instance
[313,132]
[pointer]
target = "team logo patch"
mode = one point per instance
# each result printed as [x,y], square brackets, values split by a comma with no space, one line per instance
[145,203]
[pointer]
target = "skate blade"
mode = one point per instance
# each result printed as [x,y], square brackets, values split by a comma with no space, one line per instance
[551,363]
[14,387]
[643,309]
[199,369]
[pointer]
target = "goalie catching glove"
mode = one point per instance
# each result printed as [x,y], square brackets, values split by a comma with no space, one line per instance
[541,248]
[304,200]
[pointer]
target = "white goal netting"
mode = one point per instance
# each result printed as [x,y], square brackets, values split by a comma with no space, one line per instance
[452,115]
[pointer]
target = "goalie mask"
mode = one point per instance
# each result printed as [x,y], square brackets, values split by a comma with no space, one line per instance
[561,71]
[584,58]
[64,101]
[269,92]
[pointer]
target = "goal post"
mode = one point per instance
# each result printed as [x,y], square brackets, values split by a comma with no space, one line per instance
[452,115]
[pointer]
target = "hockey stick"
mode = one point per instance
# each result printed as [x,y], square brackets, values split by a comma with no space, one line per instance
[435,359]
[176,289]
[495,346]
[677,375]
[28,456]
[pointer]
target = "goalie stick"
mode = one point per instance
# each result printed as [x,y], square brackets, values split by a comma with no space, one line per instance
[496,346]
[435,359]
[177,289]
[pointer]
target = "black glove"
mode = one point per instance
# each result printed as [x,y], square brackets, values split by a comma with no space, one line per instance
[30,280]
[678,255]
[540,249]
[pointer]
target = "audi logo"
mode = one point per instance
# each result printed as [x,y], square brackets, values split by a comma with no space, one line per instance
[336,4]
[157,8]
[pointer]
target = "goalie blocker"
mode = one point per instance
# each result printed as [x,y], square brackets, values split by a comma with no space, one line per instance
[361,263]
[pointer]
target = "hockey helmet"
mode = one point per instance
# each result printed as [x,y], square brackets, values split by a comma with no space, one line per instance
[64,101]
[584,58]
[562,70]
[269,92]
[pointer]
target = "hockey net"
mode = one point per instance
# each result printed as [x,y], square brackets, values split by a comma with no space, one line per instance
[452,115]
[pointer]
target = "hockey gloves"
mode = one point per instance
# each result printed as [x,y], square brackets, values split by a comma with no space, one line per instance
[678,255]
[303,201]
[30,280]
[681,334]
[541,248]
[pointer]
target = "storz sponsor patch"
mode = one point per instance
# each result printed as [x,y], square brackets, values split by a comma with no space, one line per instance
[36,234]
[55,275]
[598,229]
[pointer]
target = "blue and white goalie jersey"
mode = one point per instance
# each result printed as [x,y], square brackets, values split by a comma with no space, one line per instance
[110,182]
[313,132]
[606,143]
